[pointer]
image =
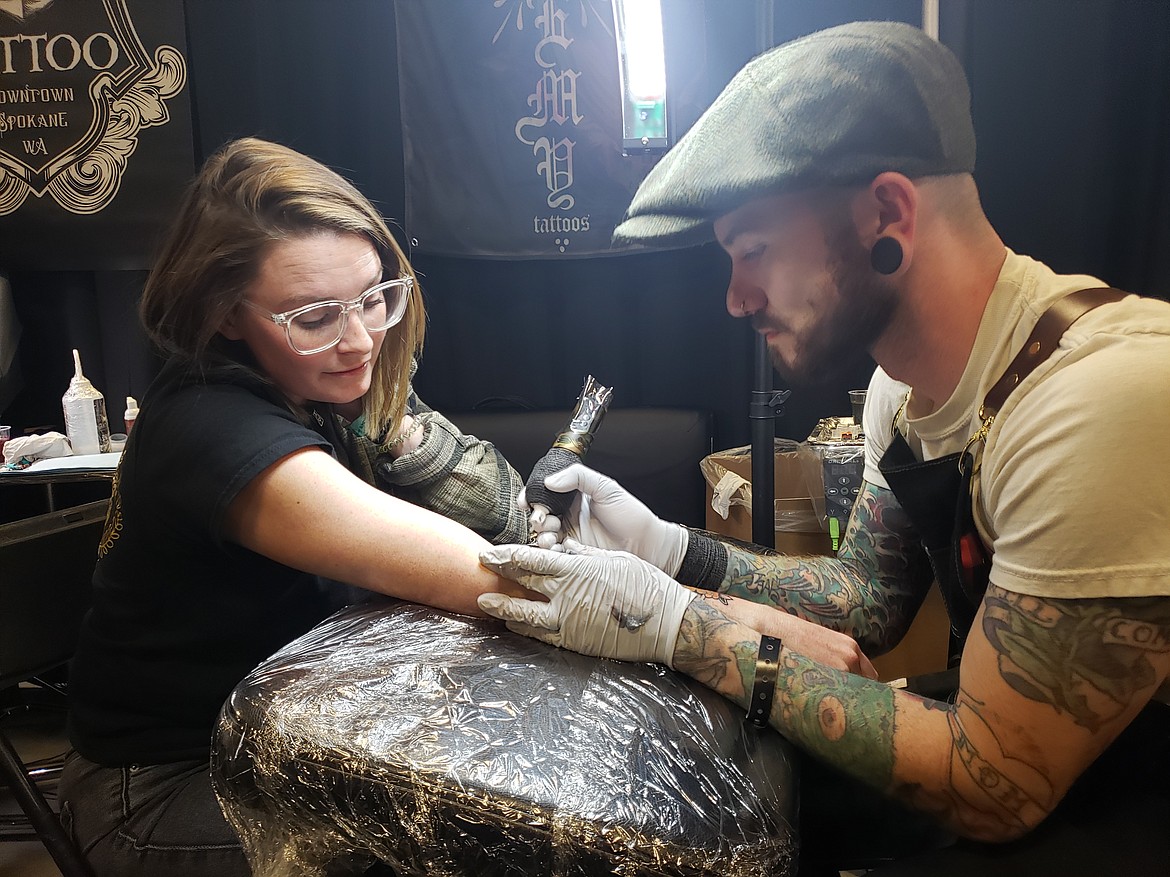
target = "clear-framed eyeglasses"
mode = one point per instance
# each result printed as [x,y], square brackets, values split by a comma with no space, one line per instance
[319,326]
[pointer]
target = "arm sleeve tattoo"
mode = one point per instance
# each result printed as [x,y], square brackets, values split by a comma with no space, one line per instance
[870,590]
[1046,685]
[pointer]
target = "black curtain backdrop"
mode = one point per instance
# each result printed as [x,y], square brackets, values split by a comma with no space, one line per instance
[1072,115]
[1072,110]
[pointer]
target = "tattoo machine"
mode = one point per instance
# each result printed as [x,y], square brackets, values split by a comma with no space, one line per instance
[571,446]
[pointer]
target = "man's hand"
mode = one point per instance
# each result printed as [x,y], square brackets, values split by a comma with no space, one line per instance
[825,646]
[603,603]
[606,515]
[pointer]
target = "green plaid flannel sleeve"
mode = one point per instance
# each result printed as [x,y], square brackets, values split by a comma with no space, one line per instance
[455,475]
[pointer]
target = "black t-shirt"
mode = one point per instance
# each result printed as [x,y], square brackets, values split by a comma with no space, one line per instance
[179,615]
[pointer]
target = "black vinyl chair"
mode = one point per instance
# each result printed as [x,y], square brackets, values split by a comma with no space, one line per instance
[46,567]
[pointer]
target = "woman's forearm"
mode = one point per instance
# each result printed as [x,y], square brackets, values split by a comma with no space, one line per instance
[308,512]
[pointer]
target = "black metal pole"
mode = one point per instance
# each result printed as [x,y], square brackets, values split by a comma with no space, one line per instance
[763,429]
[762,408]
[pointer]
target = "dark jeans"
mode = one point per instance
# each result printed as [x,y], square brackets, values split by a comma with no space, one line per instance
[152,821]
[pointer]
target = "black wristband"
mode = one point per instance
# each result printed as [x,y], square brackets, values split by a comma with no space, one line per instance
[764,688]
[705,563]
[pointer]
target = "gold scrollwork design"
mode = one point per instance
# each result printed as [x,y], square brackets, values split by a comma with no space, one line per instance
[113,527]
[13,191]
[89,184]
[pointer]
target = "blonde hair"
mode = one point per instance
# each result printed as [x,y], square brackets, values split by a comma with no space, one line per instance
[250,194]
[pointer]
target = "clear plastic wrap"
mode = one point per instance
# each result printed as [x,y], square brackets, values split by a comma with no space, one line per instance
[445,745]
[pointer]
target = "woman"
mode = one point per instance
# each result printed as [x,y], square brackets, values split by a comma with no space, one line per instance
[270,460]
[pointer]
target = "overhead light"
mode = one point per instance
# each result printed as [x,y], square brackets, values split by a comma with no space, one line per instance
[642,75]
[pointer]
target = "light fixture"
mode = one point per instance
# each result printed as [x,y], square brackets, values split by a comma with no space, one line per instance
[642,75]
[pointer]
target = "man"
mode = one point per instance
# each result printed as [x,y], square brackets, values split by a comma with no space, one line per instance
[836,171]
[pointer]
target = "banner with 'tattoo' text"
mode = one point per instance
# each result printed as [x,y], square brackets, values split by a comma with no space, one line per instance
[95,131]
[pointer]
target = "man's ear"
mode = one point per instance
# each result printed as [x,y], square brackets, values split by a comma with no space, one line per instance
[890,209]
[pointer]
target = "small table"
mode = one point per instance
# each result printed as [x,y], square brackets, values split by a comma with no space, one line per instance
[441,744]
[63,470]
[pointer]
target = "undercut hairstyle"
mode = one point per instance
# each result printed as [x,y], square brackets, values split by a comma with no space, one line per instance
[953,197]
[249,195]
[956,198]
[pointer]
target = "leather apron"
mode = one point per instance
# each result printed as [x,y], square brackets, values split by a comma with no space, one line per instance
[936,494]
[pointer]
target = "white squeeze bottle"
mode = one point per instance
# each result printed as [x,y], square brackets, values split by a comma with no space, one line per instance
[131,413]
[86,425]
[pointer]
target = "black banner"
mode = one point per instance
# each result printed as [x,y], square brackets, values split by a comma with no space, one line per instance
[95,130]
[512,128]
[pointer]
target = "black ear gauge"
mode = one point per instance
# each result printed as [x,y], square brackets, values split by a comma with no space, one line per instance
[886,256]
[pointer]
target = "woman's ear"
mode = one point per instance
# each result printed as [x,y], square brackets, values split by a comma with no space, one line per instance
[229,328]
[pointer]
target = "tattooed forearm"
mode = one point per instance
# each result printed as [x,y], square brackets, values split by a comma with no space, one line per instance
[987,792]
[844,718]
[997,788]
[871,590]
[703,650]
[960,762]
[1087,658]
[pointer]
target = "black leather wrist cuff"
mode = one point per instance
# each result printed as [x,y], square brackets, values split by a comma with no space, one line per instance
[705,563]
[764,688]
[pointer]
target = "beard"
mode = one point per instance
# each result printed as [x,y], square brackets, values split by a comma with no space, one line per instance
[840,339]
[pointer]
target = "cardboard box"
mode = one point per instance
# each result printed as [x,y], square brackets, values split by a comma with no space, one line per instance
[728,473]
[924,647]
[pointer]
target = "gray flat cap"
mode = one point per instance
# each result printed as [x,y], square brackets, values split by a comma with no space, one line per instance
[835,107]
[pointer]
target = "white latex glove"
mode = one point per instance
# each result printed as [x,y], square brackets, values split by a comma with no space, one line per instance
[608,604]
[605,515]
